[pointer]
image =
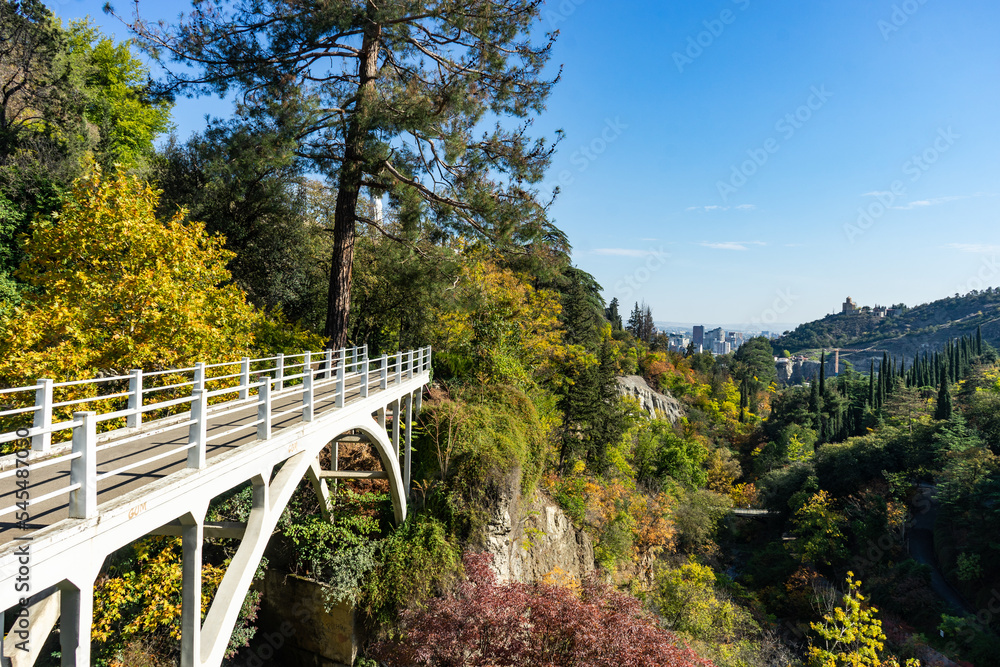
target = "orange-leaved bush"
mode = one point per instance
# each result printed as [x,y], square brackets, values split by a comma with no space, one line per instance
[487,623]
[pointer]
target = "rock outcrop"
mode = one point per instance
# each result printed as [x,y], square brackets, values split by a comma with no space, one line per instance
[530,538]
[796,371]
[653,402]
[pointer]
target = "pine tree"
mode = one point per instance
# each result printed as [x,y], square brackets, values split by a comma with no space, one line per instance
[634,325]
[410,99]
[648,328]
[613,316]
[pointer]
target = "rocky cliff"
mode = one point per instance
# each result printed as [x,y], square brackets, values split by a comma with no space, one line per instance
[796,371]
[653,402]
[532,537]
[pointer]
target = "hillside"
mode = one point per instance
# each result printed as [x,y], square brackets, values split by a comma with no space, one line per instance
[927,326]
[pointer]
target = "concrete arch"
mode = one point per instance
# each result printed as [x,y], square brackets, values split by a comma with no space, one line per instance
[270,497]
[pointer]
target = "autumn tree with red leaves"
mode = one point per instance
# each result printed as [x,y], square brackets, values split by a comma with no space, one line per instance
[487,623]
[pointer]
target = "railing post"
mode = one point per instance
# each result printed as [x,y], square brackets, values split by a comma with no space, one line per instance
[134,418]
[264,410]
[364,377]
[340,383]
[354,359]
[279,373]
[198,431]
[199,377]
[384,372]
[329,365]
[43,416]
[83,469]
[409,365]
[244,378]
[399,367]
[307,389]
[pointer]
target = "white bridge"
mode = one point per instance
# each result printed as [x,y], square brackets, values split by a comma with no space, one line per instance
[171,441]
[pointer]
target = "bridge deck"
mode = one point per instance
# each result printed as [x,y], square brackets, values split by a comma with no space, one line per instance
[163,439]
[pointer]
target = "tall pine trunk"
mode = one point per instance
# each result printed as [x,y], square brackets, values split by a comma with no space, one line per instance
[338,306]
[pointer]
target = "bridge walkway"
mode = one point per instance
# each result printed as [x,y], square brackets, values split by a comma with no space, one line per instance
[93,495]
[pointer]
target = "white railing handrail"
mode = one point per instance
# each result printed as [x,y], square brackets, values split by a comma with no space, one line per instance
[329,367]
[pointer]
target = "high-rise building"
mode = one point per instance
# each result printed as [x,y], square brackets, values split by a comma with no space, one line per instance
[698,335]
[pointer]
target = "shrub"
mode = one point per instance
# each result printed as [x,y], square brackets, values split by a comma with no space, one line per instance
[484,623]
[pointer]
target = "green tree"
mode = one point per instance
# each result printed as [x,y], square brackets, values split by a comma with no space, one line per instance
[67,97]
[817,527]
[245,184]
[753,369]
[613,316]
[943,408]
[389,97]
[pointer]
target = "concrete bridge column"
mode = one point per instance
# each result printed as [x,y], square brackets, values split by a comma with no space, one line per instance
[77,617]
[409,435]
[395,427]
[193,538]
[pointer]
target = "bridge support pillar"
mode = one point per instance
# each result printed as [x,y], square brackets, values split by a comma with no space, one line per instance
[193,539]
[76,619]
[395,427]
[406,455]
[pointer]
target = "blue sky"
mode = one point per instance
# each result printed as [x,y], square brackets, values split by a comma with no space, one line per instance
[741,161]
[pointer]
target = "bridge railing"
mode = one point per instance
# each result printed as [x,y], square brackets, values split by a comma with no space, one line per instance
[258,382]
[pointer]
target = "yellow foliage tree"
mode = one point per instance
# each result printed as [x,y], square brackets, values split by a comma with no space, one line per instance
[851,635]
[116,289]
[508,330]
[144,603]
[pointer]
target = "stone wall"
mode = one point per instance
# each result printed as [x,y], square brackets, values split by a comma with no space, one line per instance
[296,629]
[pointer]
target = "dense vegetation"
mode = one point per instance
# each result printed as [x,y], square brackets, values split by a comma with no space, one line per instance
[109,247]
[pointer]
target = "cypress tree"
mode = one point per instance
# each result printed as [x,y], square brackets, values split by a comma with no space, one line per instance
[822,373]
[871,386]
[943,409]
[979,340]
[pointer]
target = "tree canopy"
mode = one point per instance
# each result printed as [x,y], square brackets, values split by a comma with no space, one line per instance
[428,102]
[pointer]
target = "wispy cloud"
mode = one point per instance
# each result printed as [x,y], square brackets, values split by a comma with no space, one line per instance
[731,245]
[977,248]
[625,252]
[923,203]
[716,207]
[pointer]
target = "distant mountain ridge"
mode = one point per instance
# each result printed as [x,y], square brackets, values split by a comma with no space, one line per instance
[924,327]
